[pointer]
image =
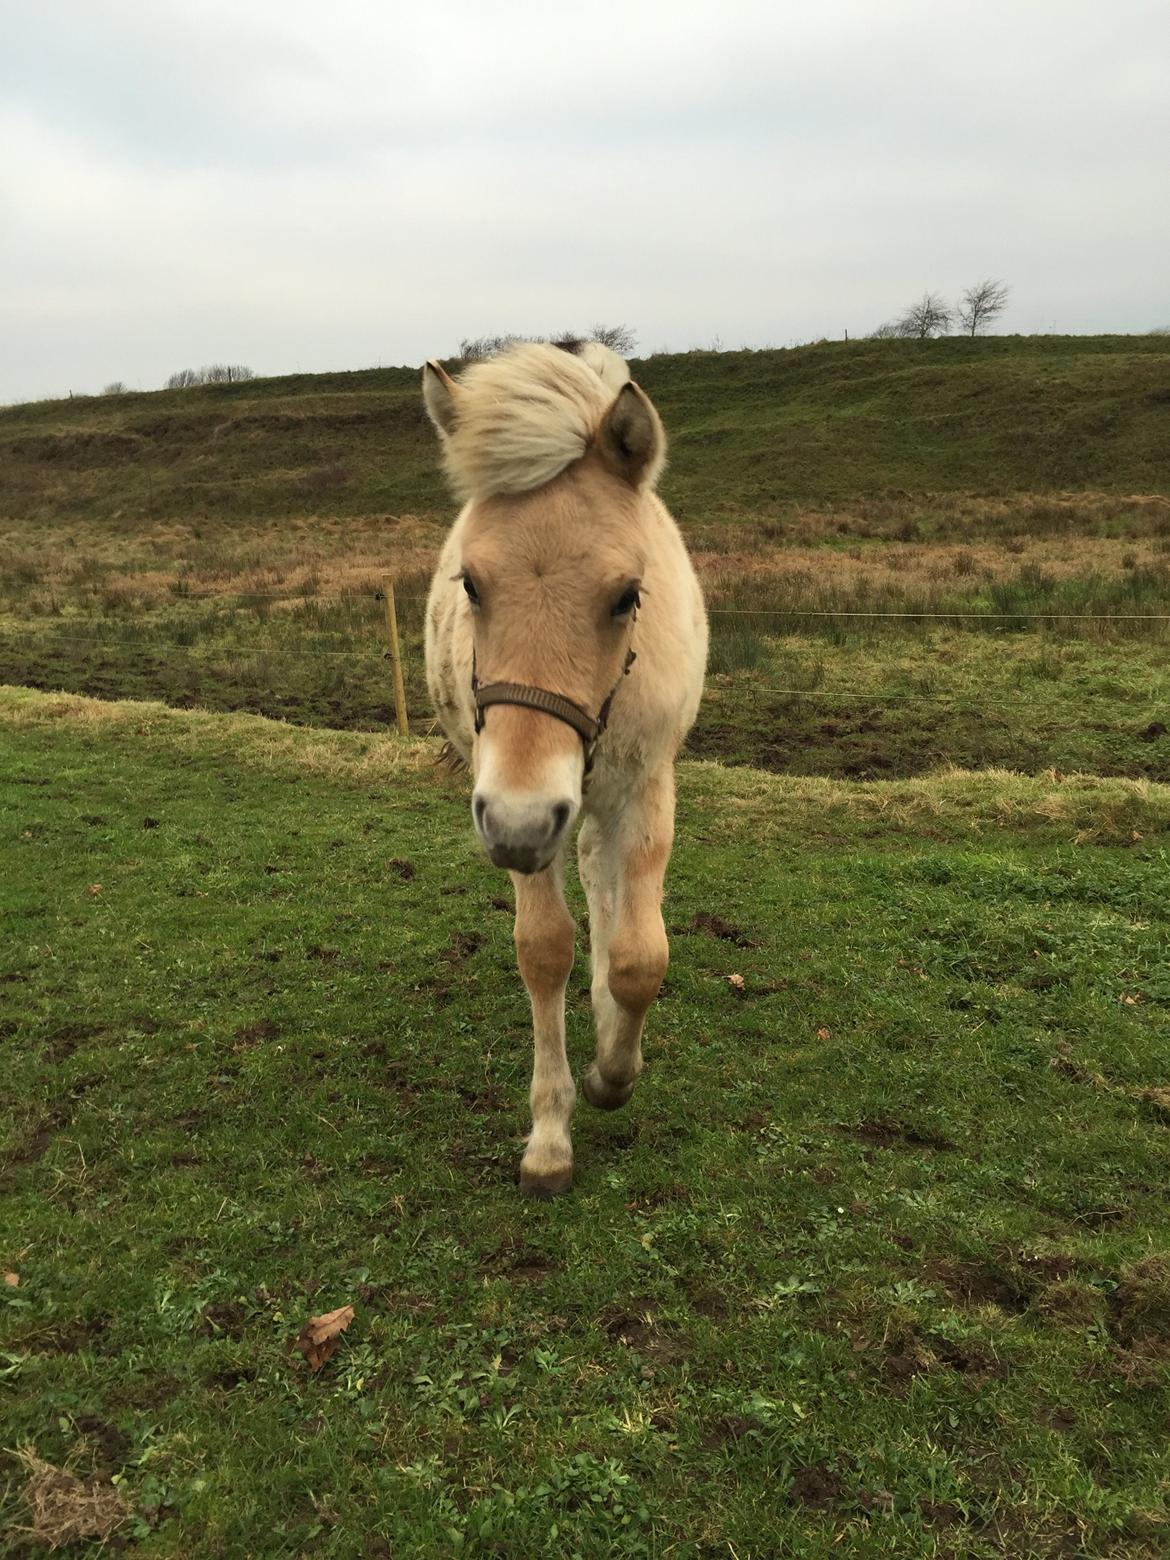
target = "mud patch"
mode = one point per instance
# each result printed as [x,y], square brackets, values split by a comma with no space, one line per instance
[221,1319]
[709,1302]
[484,1102]
[36,1145]
[886,1132]
[1139,1308]
[637,1331]
[732,1427]
[109,1447]
[518,1263]
[259,1029]
[968,1359]
[61,1043]
[981,1285]
[817,1487]
[715,926]
[461,947]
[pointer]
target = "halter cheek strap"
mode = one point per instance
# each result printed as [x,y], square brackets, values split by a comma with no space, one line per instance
[588,727]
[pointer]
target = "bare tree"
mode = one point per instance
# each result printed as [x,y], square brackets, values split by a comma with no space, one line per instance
[224,374]
[473,349]
[115,387]
[930,316]
[210,374]
[981,304]
[618,338]
[888,331]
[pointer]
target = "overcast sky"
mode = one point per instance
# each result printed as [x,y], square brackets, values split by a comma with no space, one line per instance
[333,185]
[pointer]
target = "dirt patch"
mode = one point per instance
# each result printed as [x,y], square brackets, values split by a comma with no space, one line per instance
[259,1029]
[484,1102]
[66,1509]
[62,1042]
[709,1302]
[816,1486]
[109,1446]
[73,1337]
[968,1359]
[981,1285]
[715,926]
[402,869]
[902,1367]
[36,1145]
[885,1132]
[637,1331]
[228,1379]
[461,947]
[732,1427]
[221,1319]
[940,1513]
[524,1264]
[1140,1307]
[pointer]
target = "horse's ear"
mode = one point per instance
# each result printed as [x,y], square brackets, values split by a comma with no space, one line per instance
[441,396]
[631,438]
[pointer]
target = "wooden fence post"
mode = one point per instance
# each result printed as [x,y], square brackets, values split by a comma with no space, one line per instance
[394,656]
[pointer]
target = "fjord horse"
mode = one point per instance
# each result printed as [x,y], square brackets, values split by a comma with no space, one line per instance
[566,642]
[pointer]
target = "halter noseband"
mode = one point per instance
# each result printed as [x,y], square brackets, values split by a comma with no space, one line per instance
[588,727]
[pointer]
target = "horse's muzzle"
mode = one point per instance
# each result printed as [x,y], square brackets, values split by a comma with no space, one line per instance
[522,837]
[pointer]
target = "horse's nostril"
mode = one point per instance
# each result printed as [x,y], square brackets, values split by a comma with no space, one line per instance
[560,814]
[479,811]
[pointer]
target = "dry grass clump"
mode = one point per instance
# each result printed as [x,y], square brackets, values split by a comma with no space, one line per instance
[66,1509]
[254,740]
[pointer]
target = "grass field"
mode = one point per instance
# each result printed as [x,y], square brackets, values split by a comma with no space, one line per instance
[874,1264]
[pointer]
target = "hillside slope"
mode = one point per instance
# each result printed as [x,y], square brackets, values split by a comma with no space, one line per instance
[750,433]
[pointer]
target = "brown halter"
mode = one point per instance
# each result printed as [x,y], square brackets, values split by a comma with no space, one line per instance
[588,727]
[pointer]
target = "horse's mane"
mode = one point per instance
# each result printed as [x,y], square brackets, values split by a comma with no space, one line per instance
[526,414]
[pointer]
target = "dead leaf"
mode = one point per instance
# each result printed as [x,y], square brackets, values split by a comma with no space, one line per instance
[94,888]
[824,1034]
[317,1339]
[12,1280]
[1129,1001]
[736,981]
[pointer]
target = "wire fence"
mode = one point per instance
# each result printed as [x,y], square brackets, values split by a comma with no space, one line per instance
[307,653]
[961,614]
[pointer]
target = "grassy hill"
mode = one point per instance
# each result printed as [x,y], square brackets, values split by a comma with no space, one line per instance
[751,432]
[222,546]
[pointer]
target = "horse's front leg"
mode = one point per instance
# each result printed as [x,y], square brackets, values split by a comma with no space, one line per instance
[623,864]
[544,949]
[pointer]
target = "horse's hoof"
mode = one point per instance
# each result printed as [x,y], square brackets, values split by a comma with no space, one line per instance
[605,1096]
[547,1185]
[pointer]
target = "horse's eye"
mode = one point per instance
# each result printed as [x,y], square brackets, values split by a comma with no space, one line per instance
[629,601]
[469,587]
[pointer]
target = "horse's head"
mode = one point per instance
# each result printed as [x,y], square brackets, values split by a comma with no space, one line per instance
[555,467]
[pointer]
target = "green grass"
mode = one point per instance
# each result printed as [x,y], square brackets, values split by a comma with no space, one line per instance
[750,433]
[875,1263]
